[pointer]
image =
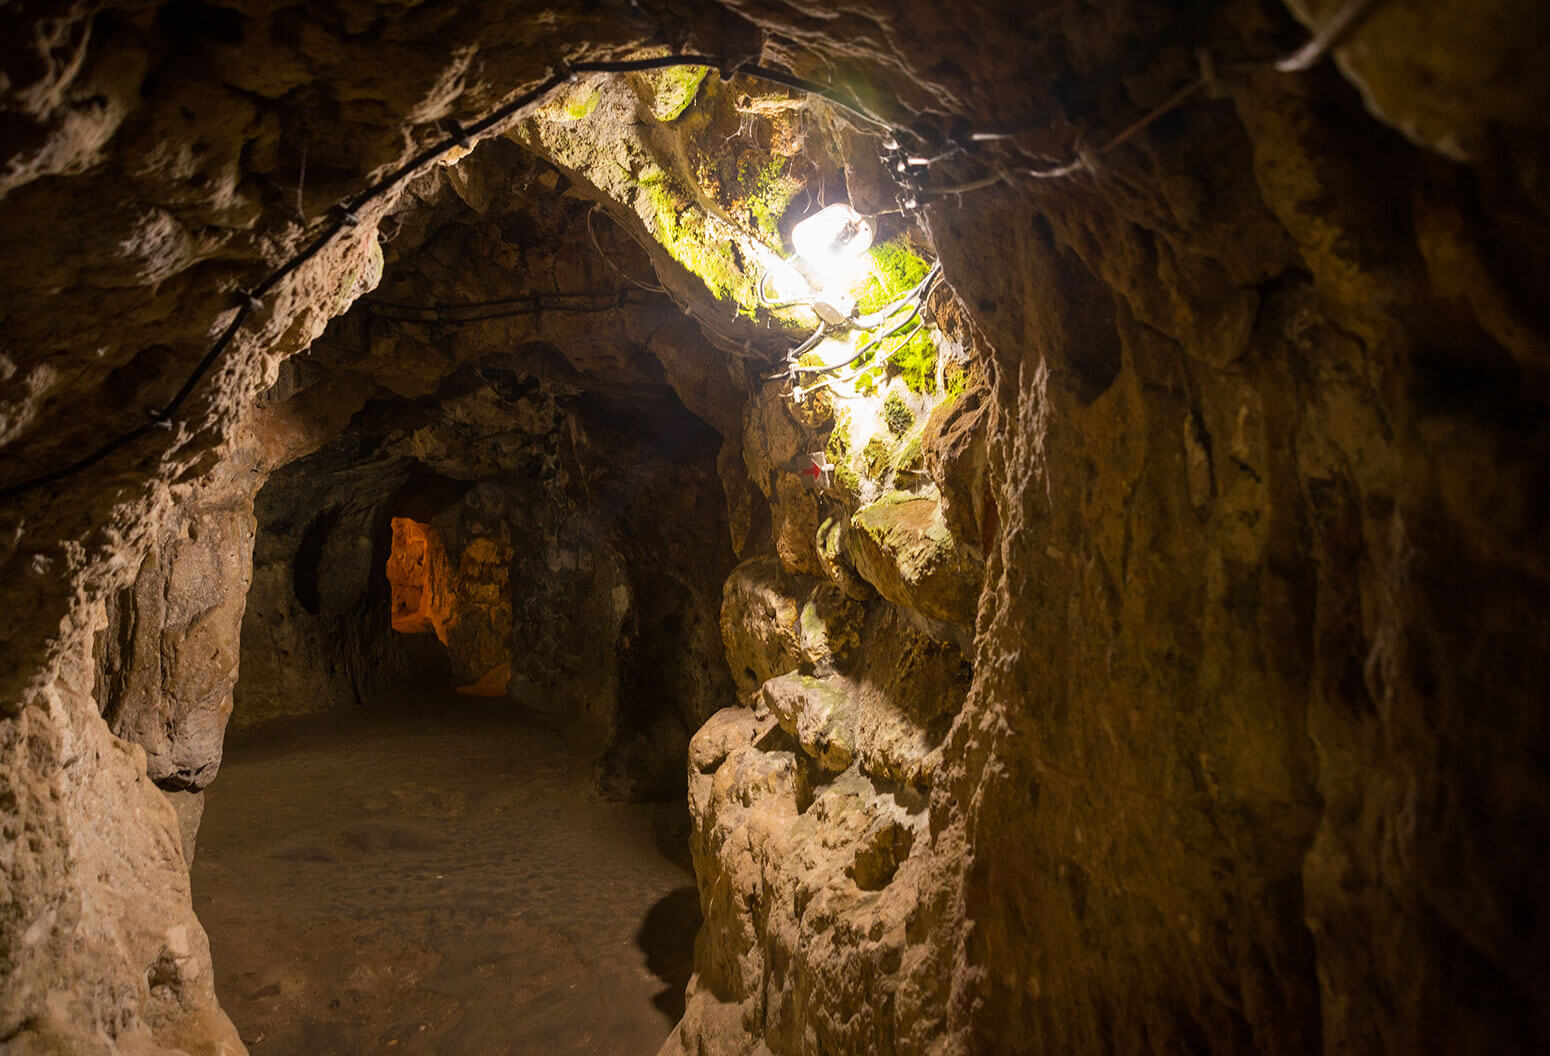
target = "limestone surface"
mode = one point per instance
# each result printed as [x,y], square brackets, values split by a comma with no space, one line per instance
[1190,698]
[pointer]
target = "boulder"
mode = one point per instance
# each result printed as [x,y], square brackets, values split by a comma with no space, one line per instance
[900,544]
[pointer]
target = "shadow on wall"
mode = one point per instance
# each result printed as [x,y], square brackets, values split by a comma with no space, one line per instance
[666,937]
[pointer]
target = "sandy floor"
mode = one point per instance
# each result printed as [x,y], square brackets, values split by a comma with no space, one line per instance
[439,883]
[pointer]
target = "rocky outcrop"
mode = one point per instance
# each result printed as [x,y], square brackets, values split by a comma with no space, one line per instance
[818,866]
[168,659]
[119,896]
[900,544]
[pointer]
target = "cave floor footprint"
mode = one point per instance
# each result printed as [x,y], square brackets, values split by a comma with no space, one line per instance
[438,881]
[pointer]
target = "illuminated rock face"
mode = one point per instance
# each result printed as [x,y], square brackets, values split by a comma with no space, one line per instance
[468,608]
[1241,747]
[418,580]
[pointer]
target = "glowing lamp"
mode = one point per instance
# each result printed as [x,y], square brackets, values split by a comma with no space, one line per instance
[829,245]
[830,258]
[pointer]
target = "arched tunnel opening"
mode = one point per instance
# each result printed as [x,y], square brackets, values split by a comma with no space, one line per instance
[502,582]
[738,529]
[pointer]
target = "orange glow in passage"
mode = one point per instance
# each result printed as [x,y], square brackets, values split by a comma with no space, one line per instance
[418,579]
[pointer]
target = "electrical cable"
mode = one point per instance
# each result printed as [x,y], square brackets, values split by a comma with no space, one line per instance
[919,291]
[1340,25]
[765,302]
[914,299]
[346,214]
[1328,36]
[648,287]
[531,304]
[374,305]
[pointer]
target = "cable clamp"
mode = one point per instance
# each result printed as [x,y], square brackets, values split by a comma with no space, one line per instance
[250,301]
[347,216]
[564,71]
[459,134]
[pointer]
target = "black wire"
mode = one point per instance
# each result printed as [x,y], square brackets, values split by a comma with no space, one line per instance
[1077,102]
[518,306]
[372,303]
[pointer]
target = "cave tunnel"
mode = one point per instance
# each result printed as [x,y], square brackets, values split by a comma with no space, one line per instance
[727,529]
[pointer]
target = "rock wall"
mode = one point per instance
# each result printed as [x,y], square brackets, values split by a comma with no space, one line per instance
[1252,753]
[1229,778]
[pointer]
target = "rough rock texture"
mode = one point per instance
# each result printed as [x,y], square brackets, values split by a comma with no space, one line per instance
[1254,776]
[168,658]
[1253,756]
[130,929]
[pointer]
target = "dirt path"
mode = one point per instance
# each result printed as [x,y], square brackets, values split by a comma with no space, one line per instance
[439,882]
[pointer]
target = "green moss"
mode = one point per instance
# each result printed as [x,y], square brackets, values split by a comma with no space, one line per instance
[956,381]
[848,479]
[578,108]
[911,457]
[868,380]
[896,415]
[915,360]
[680,227]
[766,191]
[837,450]
[895,270]
[877,456]
[812,625]
[673,90]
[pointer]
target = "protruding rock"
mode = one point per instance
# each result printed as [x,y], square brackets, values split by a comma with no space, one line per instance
[829,627]
[168,661]
[759,614]
[817,712]
[902,546]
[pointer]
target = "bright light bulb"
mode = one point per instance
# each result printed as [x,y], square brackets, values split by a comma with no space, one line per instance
[830,244]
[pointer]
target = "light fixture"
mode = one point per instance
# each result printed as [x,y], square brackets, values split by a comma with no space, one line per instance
[830,258]
[830,242]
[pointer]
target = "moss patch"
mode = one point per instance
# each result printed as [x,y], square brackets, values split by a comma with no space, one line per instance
[877,456]
[894,271]
[582,106]
[915,360]
[956,381]
[896,415]
[766,191]
[679,225]
[673,90]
